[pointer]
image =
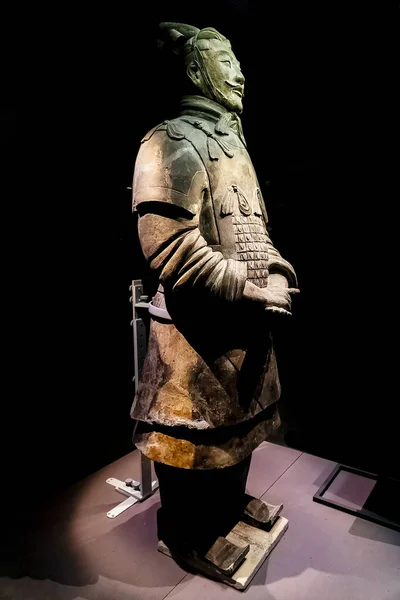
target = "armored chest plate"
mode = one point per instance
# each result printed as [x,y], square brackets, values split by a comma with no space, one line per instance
[251,246]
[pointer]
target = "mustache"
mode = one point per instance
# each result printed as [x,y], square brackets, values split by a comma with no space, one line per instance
[236,86]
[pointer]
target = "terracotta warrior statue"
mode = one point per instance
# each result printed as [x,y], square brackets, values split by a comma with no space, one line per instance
[209,385]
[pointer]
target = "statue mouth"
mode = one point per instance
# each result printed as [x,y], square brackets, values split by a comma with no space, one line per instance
[237,89]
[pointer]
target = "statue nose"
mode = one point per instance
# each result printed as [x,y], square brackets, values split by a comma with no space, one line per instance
[239,77]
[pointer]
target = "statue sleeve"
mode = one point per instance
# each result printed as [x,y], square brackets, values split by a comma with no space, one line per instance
[277,264]
[169,185]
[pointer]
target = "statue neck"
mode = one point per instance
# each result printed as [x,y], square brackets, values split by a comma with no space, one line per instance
[200,106]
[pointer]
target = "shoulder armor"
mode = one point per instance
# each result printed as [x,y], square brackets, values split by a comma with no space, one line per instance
[177,129]
[169,170]
[150,133]
[214,142]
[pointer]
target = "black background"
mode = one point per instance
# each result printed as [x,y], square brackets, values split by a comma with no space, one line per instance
[82,88]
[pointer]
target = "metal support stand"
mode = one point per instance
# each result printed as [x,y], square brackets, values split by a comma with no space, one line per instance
[137,491]
[363,512]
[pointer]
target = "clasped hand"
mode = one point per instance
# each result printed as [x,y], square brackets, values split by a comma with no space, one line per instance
[278,299]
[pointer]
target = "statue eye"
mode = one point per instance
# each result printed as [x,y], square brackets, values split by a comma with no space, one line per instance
[227,61]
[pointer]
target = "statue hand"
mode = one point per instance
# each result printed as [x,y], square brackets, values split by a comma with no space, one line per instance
[278,299]
[278,310]
[275,297]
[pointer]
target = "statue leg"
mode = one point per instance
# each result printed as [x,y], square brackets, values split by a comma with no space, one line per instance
[198,506]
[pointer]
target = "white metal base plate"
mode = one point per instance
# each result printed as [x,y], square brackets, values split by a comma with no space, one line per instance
[122,507]
[134,495]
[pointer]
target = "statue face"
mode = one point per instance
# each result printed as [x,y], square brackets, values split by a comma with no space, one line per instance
[224,72]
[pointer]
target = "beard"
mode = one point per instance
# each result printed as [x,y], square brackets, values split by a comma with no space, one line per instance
[227,97]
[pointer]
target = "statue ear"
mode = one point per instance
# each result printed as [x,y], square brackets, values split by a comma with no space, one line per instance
[194,73]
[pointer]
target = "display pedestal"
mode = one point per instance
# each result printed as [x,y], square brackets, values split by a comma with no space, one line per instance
[261,544]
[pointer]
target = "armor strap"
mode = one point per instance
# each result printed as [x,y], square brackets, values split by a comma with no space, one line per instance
[212,435]
[160,313]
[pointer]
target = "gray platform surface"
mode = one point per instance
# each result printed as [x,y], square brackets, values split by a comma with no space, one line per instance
[77,553]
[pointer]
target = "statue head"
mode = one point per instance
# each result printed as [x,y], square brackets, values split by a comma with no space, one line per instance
[210,63]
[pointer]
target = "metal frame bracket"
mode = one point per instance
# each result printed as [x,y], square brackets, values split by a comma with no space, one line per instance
[137,491]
